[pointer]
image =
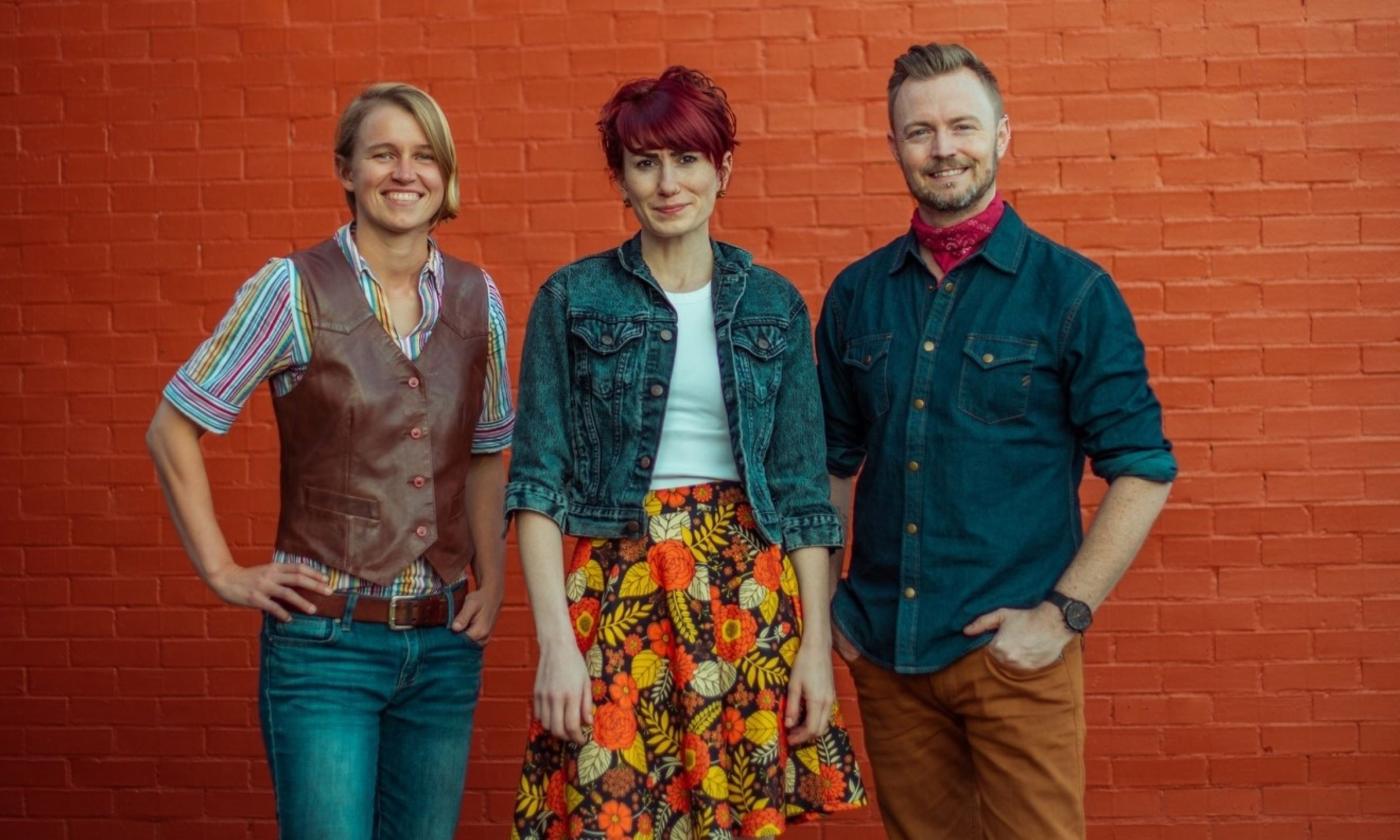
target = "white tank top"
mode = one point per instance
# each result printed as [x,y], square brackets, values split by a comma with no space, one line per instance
[695,446]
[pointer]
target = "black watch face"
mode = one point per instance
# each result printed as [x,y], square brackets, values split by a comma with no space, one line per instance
[1078,616]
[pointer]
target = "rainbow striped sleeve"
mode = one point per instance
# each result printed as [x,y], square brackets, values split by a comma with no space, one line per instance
[497,422]
[258,338]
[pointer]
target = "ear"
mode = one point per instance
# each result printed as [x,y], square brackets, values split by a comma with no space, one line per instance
[1003,136]
[726,168]
[343,173]
[894,145]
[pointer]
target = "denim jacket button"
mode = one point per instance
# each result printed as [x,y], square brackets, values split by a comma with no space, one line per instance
[666,335]
[632,526]
[657,390]
[763,344]
[644,462]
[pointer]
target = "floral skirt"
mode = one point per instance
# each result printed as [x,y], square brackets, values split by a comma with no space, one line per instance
[689,634]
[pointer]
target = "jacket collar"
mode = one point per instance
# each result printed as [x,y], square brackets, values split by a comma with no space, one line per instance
[732,265]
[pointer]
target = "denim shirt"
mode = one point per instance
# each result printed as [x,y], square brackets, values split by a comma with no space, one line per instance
[595,373]
[971,404]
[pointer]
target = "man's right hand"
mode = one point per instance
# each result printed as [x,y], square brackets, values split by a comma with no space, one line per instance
[264,586]
[563,692]
[844,648]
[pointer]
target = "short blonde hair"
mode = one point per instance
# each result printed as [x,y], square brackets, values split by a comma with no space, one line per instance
[430,118]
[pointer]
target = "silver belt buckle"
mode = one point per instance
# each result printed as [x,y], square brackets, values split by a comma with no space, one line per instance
[394,613]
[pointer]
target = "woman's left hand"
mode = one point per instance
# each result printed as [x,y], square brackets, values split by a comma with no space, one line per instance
[811,694]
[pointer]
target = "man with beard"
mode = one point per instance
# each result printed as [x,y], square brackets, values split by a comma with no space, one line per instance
[967,369]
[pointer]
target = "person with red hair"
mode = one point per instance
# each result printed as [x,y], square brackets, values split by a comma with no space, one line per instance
[669,419]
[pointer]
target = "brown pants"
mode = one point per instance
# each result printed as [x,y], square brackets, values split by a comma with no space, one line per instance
[977,750]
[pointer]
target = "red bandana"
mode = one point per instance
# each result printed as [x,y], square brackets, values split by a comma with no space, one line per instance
[955,243]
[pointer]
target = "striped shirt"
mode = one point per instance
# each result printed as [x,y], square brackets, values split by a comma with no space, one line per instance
[267,336]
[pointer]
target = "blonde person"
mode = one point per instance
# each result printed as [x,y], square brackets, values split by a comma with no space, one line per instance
[386,360]
[670,421]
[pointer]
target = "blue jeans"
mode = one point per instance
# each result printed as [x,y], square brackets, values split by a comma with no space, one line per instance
[366,728]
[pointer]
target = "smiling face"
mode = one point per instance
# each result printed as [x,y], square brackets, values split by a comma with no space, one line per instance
[672,193]
[949,139]
[393,173]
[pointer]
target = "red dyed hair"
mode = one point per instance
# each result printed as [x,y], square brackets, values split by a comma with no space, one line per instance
[681,110]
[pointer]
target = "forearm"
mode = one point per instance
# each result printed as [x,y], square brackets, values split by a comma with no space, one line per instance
[485,497]
[173,441]
[542,558]
[814,587]
[1124,519]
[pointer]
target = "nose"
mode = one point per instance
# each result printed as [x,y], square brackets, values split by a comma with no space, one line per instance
[403,169]
[668,183]
[943,145]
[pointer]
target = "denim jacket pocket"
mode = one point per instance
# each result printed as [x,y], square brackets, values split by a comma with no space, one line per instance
[995,385]
[867,357]
[760,365]
[610,352]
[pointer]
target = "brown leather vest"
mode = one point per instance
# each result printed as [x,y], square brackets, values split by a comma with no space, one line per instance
[375,448]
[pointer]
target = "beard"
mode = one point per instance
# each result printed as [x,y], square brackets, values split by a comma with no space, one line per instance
[953,202]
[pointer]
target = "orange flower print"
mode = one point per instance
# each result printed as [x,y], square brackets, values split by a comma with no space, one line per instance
[554,794]
[644,824]
[735,632]
[695,758]
[702,492]
[576,826]
[833,783]
[765,822]
[672,564]
[584,616]
[732,725]
[682,667]
[678,795]
[555,831]
[623,691]
[615,820]
[632,645]
[583,549]
[723,817]
[660,636]
[614,726]
[743,514]
[768,568]
[767,700]
[671,498]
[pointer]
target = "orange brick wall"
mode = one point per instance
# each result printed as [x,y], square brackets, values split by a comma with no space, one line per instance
[1233,162]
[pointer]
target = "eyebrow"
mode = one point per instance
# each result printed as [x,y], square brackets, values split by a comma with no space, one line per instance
[392,146]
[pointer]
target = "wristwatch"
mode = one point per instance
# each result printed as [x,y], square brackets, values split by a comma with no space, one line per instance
[1077,614]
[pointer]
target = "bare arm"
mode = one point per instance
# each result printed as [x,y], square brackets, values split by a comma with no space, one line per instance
[563,693]
[173,440]
[1033,638]
[812,681]
[484,496]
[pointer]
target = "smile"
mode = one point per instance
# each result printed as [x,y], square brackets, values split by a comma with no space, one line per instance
[948,173]
[671,209]
[403,196]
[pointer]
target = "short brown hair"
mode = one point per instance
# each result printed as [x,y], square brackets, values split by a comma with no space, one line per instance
[430,118]
[929,61]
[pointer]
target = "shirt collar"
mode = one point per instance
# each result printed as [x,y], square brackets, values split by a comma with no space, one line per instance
[432,267]
[1003,249]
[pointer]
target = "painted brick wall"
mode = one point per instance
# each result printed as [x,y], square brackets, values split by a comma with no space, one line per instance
[1232,162]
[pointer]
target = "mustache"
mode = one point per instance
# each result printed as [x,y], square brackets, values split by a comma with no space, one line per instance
[946,163]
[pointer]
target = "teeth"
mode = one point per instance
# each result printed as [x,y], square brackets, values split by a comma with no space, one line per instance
[403,196]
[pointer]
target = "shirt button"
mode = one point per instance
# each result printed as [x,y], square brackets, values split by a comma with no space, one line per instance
[948,287]
[667,335]
[415,433]
[928,346]
[909,592]
[867,360]
[988,358]
[911,528]
[918,405]
[913,466]
[421,530]
[644,462]
[657,390]
[419,481]
[413,382]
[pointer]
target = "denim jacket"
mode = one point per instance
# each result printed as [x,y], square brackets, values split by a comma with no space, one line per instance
[595,374]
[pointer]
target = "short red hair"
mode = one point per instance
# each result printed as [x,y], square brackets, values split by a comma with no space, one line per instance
[682,110]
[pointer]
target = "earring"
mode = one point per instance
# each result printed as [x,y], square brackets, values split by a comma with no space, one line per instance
[626,202]
[720,194]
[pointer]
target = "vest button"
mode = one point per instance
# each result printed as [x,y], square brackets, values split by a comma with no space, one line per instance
[415,433]
[419,481]
[421,530]
[413,382]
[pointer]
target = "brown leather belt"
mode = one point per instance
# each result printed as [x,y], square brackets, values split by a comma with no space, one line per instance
[400,613]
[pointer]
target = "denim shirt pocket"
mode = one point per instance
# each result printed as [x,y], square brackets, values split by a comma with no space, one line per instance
[610,347]
[995,384]
[867,358]
[606,355]
[760,365]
